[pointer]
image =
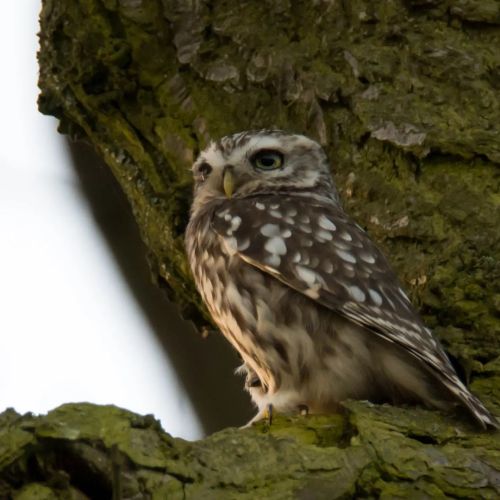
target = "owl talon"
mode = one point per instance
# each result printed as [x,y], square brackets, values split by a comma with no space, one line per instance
[268,414]
[265,414]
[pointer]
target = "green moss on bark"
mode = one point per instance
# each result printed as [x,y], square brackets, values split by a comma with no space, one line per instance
[87,451]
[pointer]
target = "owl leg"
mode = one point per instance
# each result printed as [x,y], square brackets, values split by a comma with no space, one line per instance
[257,390]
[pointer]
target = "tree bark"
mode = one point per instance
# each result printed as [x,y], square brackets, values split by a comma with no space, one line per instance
[404,95]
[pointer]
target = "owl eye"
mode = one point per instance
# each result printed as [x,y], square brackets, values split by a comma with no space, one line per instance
[204,170]
[267,159]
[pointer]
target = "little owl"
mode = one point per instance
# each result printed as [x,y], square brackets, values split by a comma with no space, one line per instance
[301,291]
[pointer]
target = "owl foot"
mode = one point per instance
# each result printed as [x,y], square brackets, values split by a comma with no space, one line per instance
[265,414]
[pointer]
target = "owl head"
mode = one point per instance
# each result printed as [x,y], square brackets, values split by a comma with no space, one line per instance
[261,162]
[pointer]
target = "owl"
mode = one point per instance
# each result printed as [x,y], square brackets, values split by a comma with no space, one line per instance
[299,289]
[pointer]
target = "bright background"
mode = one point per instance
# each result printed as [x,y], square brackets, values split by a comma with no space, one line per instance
[71,327]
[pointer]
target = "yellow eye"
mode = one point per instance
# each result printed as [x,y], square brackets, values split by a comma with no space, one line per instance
[267,159]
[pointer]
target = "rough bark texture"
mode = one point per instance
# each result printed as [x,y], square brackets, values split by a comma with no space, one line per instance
[405,97]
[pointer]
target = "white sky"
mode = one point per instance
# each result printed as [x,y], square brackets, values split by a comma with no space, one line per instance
[69,328]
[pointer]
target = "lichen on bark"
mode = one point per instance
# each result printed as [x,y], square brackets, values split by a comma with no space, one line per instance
[403,94]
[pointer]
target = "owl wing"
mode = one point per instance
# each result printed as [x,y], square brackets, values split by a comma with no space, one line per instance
[317,250]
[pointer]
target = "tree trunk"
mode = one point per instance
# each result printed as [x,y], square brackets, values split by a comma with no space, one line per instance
[404,95]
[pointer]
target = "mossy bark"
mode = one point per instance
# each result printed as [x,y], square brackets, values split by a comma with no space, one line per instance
[86,451]
[405,97]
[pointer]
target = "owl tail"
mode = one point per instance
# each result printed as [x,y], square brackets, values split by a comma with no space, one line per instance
[476,408]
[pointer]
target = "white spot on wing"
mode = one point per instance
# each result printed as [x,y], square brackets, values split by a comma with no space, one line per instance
[235,223]
[322,235]
[306,274]
[375,296]
[367,257]
[244,244]
[403,294]
[270,230]
[343,245]
[276,245]
[276,213]
[273,260]
[348,257]
[326,223]
[260,206]
[345,236]
[356,293]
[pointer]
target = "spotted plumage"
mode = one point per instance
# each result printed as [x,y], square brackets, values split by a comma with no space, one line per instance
[300,290]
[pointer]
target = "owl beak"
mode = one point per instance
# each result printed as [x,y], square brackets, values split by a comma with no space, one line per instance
[228,180]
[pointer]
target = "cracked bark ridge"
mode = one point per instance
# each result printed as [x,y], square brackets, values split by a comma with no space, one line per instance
[405,97]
